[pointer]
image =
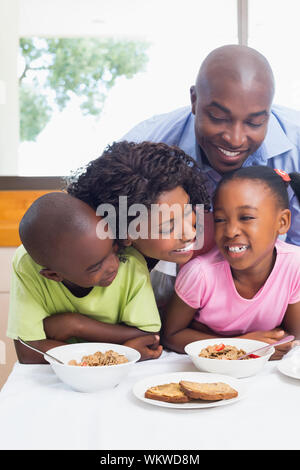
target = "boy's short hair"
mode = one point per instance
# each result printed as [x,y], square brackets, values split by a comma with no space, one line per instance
[47,220]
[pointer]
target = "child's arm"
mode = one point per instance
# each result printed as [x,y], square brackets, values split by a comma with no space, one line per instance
[63,326]
[177,331]
[271,336]
[60,327]
[28,356]
[90,330]
[290,326]
[291,321]
[147,345]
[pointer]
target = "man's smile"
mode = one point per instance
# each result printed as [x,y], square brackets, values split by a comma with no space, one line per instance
[230,153]
[230,156]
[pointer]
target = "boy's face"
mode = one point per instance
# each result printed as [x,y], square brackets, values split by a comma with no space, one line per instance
[248,220]
[173,231]
[86,260]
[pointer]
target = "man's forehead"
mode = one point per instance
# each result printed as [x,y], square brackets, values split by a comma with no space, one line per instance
[222,92]
[222,78]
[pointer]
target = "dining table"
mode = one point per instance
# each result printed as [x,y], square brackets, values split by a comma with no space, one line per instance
[39,412]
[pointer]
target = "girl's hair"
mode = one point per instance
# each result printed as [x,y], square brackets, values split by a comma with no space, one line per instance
[270,177]
[139,171]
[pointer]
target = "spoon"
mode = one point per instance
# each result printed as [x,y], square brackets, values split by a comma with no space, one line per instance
[41,352]
[265,348]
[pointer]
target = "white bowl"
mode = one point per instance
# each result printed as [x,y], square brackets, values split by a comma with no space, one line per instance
[234,368]
[91,379]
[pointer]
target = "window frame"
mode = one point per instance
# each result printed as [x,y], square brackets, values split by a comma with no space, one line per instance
[13,183]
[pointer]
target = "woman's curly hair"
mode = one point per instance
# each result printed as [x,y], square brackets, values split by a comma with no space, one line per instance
[140,171]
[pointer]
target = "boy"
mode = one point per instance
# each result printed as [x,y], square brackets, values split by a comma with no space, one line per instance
[68,283]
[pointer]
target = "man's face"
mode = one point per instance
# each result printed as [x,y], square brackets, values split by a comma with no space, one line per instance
[231,121]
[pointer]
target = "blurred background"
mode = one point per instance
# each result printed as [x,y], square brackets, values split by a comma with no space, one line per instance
[76,75]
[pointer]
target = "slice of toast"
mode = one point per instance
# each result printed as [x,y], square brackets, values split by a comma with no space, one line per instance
[171,393]
[208,391]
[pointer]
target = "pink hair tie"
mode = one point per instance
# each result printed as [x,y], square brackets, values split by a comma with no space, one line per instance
[284,175]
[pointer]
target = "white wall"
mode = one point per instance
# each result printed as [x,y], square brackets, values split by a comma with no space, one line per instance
[7,351]
[9,106]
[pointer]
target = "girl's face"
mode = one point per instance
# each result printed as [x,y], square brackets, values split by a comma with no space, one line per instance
[248,220]
[171,231]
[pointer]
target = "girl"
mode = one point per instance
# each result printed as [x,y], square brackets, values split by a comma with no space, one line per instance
[249,284]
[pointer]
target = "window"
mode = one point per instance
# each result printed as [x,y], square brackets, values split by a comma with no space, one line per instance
[274,31]
[179,34]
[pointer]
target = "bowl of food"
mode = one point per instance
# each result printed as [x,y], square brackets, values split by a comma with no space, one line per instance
[91,367]
[221,356]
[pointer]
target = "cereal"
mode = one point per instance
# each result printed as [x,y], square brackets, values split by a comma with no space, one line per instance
[222,352]
[109,358]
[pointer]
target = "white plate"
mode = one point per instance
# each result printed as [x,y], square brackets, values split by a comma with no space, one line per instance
[140,388]
[289,368]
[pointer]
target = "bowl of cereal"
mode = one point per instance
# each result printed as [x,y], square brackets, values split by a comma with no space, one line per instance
[221,356]
[91,367]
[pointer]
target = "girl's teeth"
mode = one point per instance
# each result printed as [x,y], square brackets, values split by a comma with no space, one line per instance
[237,249]
[229,154]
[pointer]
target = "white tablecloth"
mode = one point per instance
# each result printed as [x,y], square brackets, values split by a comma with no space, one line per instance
[37,411]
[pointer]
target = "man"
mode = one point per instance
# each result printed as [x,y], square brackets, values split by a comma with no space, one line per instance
[232,122]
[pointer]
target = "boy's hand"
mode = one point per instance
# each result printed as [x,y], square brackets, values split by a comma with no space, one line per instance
[147,345]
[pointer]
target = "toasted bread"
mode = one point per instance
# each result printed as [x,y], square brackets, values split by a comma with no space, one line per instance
[171,393]
[208,391]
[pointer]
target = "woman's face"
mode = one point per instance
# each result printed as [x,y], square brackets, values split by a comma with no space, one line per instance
[171,228]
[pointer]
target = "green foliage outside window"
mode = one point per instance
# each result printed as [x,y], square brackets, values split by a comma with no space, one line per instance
[53,69]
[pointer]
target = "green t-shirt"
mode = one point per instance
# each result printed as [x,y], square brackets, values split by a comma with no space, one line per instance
[129,299]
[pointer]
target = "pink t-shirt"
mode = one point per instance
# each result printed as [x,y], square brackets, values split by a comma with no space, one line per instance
[205,283]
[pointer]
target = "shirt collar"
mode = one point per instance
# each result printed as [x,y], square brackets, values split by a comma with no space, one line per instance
[275,143]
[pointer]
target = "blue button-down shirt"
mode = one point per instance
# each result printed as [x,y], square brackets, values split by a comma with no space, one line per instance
[280,148]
